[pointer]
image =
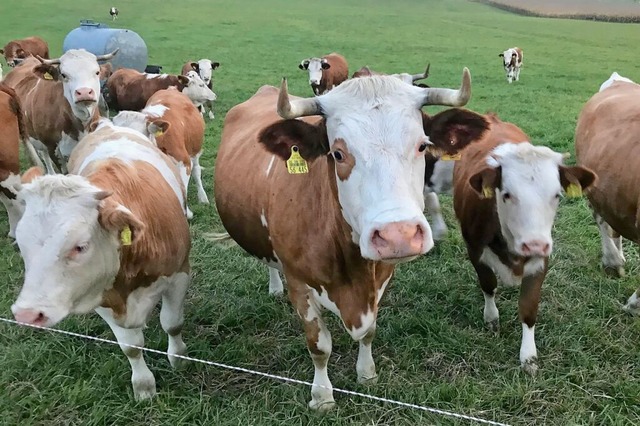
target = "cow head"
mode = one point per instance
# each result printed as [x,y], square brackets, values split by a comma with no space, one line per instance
[374,140]
[527,182]
[204,68]
[79,73]
[70,238]
[197,90]
[315,66]
[13,53]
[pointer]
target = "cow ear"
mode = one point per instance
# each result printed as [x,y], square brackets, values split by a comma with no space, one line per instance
[1,51]
[47,72]
[513,55]
[184,80]
[158,127]
[310,139]
[304,65]
[452,130]
[501,55]
[195,66]
[215,65]
[325,65]
[575,179]
[486,181]
[20,53]
[115,217]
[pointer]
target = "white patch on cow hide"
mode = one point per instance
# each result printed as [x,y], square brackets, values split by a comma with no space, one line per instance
[156,110]
[505,273]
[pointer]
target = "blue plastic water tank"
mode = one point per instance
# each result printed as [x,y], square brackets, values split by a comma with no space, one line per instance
[99,39]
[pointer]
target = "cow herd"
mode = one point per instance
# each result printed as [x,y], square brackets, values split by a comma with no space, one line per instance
[329,191]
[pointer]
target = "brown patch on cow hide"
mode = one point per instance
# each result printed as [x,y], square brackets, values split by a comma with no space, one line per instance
[344,167]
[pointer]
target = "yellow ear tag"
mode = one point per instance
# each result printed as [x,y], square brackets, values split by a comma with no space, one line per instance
[574,190]
[487,192]
[296,164]
[158,133]
[47,76]
[454,157]
[125,236]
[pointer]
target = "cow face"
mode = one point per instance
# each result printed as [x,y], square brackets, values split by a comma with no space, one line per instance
[70,238]
[13,53]
[375,142]
[527,182]
[315,67]
[197,90]
[205,69]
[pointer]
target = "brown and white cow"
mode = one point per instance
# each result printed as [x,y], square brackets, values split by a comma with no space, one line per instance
[606,141]
[177,127]
[110,237]
[506,193]
[512,61]
[337,229]
[204,68]
[60,100]
[325,73]
[17,50]
[130,89]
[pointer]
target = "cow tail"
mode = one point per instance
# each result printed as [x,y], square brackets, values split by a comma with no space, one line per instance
[220,238]
[34,160]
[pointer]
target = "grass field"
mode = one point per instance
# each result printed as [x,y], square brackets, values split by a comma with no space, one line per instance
[431,347]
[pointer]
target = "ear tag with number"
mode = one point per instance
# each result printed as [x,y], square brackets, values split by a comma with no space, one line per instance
[125,236]
[487,192]
[574,190]
[454,157]
[47,76]
[296,164]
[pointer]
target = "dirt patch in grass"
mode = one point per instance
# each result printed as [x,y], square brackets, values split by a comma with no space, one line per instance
[626,11]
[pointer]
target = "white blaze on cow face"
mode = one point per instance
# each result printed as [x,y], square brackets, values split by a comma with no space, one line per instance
[528,195]
[70,259]
[197,90]
[374,125]
[80,76]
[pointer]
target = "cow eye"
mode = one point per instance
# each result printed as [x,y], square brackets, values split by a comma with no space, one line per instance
[506,196]
[81,248]
[558,196]
[63,75]
[338,155]
[97,72]
[422,146]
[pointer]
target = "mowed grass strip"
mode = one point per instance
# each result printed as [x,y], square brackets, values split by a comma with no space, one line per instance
[431,347]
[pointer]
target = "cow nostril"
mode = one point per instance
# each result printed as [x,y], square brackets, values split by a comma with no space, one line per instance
[378,240]
[525,248]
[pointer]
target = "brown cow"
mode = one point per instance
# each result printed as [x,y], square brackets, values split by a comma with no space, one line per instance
[506,193]
[344,210]
[177,126]
[17,50]
[606,141]
[325,73]
[512,61]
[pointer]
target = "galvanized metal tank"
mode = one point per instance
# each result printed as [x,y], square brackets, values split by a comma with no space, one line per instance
[99,39]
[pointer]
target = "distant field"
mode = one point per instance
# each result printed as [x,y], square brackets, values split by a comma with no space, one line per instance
[431,346]
[594,10]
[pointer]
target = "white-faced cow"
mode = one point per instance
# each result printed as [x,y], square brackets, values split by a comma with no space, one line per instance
[606,141]
[111,237]
[325,73]
[17,50]
[506,193]
[130,89]
[204,68]
[60,100]
[357,157]
[113,11]
[177,127]
[512,61]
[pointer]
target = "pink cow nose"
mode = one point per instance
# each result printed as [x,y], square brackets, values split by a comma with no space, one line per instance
[535,248]
[85,94]
[398,240]
[30,316]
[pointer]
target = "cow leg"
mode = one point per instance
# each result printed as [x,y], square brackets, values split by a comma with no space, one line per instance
[612,254]
[196,171]
[528,312]
[488,284]
[275,283]
[432,205]
[14,207]
[44,153]
[517,74]
[365,366]
[144,384]
[172,316]
[182,170]
[633,304]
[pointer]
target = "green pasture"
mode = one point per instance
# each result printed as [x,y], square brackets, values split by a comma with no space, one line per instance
[431,347]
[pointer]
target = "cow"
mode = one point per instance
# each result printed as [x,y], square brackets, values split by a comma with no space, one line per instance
[113,11]
[16,50]
[512,61]
[171,120]
[605,139]
[60,100]
[506,193]
[105,72]
[355,159]
[110,237]
[204,68]
[130,89]
[325,73]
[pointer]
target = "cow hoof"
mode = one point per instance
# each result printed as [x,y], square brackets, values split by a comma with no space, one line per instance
[144,390]
[322,406]
[614,271]
[211,116]
[530,366]
[493,326]
[633,305]
[203,200]
[189,214]
[368,380]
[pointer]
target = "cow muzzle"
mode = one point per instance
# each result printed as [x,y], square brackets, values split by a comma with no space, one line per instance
[30,316]
[400,241]
[85,95]
[535,247]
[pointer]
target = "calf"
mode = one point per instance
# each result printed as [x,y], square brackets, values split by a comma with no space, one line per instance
[606,141]
[204,68]
[130,89]
[113,11]
[112,237]
[178,129]
[17,50]
[325,73]
[506,193]
[512,61]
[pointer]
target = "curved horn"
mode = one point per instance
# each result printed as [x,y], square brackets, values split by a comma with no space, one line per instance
[55,61]
[422,76]
[297,108]
[450,97]
[108,55]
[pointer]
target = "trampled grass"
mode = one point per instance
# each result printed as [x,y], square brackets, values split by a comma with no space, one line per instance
[431,347]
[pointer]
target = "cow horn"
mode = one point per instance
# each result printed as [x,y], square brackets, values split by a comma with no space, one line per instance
[297,108]
[55,61]
[450,97]
[422,76]
[108,55]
